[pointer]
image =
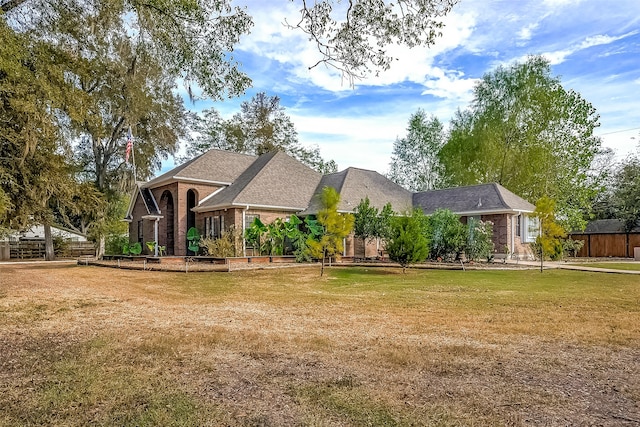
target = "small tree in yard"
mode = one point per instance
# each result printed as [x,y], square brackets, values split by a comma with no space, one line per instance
[448,235]
[479,243]
[549,242]
[407,243]
[336,227]
[365,222]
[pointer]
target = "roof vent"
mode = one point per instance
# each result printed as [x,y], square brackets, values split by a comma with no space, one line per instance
[479,202]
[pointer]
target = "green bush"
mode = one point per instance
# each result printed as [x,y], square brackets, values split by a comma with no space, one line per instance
[114,244]
[448,235]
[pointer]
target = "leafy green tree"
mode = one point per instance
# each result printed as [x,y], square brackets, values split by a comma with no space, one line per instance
[414,161]
[260,127]
[525,131]
[622,197]
[196,38]
[407,243]
[336,227]
[448,235]
[479,240]
[365,221]
[549,242]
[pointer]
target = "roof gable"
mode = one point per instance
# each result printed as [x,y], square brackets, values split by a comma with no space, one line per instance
[354,185]
[214,166]
[274,180]
[483,198]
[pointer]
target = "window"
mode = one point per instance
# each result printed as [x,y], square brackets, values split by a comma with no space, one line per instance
[214,226]
[140,232]
[519,225]
[531,229]
[249,218]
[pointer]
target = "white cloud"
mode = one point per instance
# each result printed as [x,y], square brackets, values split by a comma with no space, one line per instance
[527,32]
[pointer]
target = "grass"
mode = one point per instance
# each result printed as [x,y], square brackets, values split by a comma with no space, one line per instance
[360,346]
[633,266]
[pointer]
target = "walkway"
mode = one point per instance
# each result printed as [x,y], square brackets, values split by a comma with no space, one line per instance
[578,267]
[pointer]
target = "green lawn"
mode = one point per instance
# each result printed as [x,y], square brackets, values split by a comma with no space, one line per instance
[635,266]
[358,347]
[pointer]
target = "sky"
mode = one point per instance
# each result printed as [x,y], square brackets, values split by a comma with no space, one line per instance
[593,47]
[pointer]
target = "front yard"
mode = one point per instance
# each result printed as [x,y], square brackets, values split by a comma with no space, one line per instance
[89,345]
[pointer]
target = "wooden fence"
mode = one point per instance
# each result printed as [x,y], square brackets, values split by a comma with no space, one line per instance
[35,249]
[619,245]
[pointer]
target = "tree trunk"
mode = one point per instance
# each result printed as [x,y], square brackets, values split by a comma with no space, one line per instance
[49,253]
[100,248]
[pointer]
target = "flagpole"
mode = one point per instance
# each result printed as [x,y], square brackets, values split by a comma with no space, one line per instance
[133,157]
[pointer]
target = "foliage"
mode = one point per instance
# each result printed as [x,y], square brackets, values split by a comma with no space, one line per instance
[336,226]
[414,161]
[622,200]
[479,240]
[365,220]
[571,247]
[132,248]
[228,245]
[193,239]
[356,42]
[407,243]
[369,223]
[253,233]
[151,246]
[526,132]
[261,126]
[114,244]
[448,235]
[549,242]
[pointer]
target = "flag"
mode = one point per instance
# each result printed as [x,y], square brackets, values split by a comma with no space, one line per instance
[129,145]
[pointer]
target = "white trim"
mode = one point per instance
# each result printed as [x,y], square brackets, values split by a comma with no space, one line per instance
[248,206]
[175,178]
[132,202]
[210,196]
[153,217]
[472,213]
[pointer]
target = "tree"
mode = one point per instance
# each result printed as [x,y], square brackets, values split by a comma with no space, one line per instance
[414,162]
[448,235]
[622,198]
[196,38]
[336,227]
[549,242]
[365,221]
[526,132]
[407,243]
[260,127]
[354,38]
[35,176]
[192,39]
[479,239]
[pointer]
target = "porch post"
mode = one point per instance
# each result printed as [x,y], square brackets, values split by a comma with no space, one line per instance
[155,236]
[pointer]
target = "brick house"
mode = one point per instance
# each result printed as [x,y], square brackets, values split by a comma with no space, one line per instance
[219,189]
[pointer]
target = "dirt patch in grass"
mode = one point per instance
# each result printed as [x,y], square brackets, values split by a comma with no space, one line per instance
[88,345]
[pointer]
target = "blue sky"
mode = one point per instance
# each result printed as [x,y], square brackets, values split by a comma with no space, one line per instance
[593,45]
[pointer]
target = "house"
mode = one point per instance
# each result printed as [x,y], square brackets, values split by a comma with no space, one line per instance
[509,213]
[218,190]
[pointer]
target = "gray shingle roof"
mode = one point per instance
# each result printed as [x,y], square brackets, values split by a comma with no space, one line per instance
[606,226]
[356,184]
[484,198]
[272,180]
[213,166]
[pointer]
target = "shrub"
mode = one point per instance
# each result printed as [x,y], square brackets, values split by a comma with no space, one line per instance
[479,242]
[448,235]
[114,244]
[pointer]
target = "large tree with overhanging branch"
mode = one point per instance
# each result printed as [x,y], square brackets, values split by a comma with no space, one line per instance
[114,63]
